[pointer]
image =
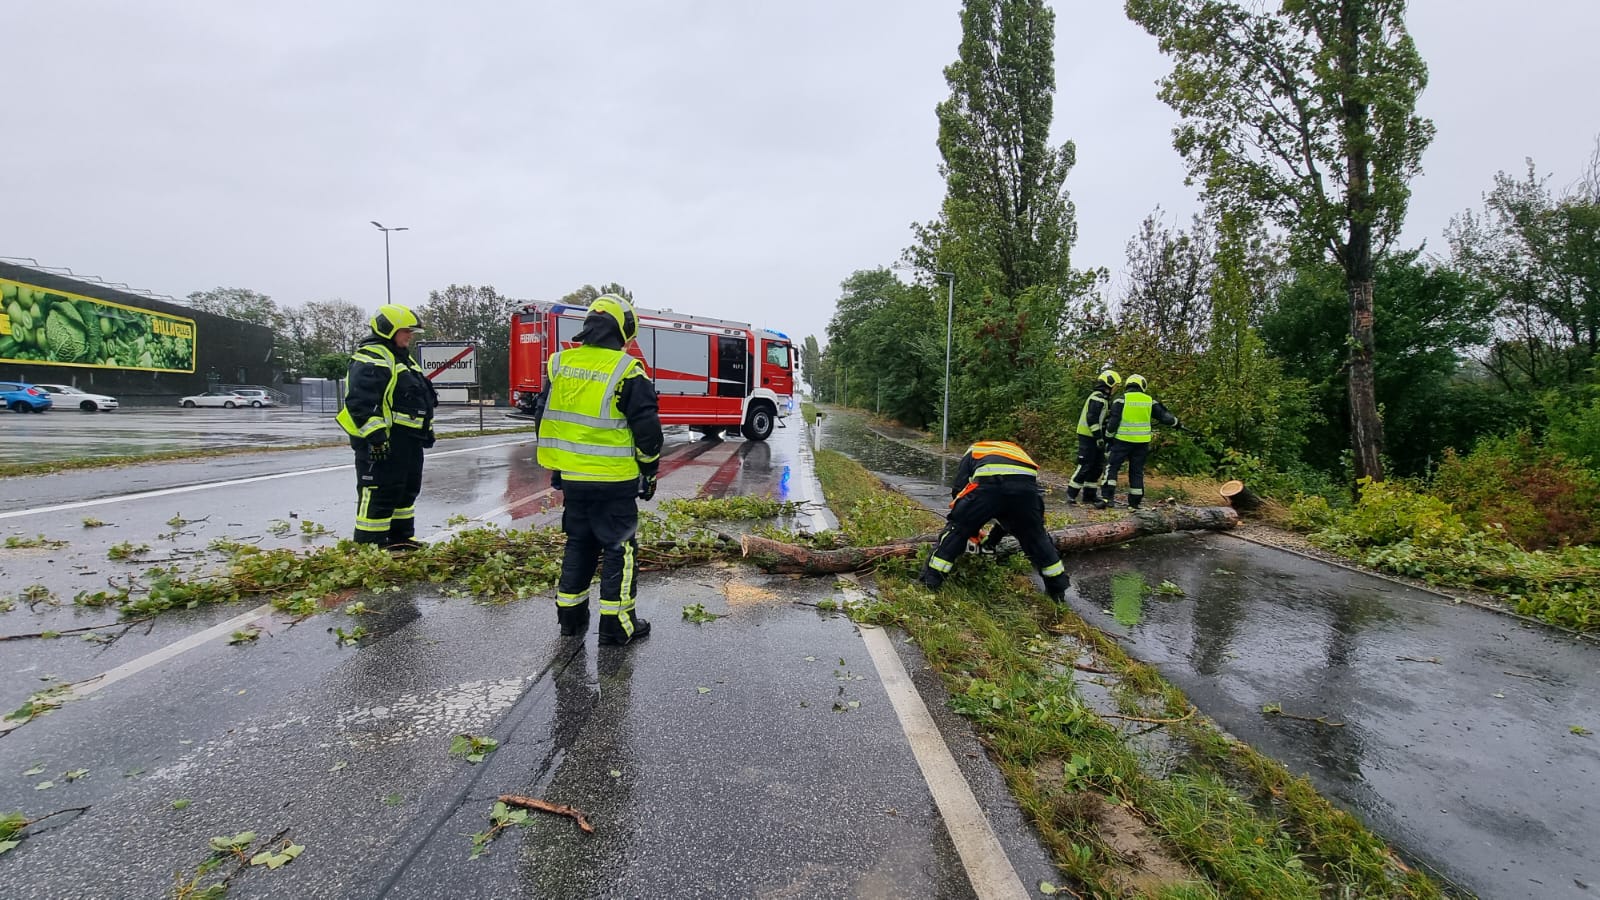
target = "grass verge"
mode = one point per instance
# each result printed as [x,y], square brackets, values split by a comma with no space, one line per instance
[11,470]
[1210,818]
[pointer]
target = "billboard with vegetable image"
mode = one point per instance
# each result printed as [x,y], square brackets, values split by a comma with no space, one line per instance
[65,329]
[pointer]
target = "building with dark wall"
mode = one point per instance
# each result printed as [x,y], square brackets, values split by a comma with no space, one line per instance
[187,349]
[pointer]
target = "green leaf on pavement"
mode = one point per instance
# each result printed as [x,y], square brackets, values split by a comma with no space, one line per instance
[237,842]
[393,799]
[7,845]
[180,804]
[44,785]
[704,690]
[281,858]
[1048,889]
[616,773]
[36,770]
[696,612]
[75,774]
[337,766]
[1580,731]
[472,746]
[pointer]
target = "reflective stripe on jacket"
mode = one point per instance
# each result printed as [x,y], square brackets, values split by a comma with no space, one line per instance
[1001,458]
[583,433]
[370,408]
[1089,424]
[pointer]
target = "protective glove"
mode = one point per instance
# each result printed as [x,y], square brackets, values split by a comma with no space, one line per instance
[427,438]
[555,479]
[378,445]
[647,486]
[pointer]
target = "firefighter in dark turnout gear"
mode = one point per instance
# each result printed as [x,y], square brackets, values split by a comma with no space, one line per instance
[388,414]
[1129,429]
[1092,439]
[997,480]
[600,436]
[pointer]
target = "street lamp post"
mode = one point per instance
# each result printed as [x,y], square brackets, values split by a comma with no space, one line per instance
[388,285]
[949,332]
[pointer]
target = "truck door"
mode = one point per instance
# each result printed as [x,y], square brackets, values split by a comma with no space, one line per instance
[777,374]
[733,367]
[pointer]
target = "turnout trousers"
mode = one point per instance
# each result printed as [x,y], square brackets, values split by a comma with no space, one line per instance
[1086,479]
[1015,502]
[386,491]
[601,521]
[1134,455]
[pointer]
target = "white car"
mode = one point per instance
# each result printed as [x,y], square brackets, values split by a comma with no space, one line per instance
[257,399]
[224,399]
[66,395]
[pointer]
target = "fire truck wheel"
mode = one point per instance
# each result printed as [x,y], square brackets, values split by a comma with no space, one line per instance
[759,424]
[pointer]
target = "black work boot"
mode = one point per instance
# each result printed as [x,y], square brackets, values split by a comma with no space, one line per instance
[612,632]
[931,580]
[1072,495]
[1091,496]
[574,619]
[1134,501]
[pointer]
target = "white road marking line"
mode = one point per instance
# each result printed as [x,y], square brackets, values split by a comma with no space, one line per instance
[190,488]
[448,533]
[988,867]
[133,667]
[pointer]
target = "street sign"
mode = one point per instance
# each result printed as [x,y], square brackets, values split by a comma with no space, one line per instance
[449,363]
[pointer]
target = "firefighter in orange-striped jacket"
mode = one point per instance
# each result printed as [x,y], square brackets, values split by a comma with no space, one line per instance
[997,481]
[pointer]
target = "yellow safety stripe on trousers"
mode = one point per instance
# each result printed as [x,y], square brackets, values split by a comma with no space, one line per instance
[1137,492]
[1053,569]
[365,522]
[409,512]
[614,608]
[572,599]
[940,565]
[988,470]
[626,593]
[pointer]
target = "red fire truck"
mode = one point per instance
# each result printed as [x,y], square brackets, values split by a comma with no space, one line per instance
[710,374]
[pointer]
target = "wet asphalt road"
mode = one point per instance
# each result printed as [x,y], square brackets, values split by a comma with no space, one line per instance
[62,434]
[723,759]
[1468,764]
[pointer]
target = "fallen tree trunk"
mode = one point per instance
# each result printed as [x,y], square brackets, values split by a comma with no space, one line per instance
[1239,496]
[776,556]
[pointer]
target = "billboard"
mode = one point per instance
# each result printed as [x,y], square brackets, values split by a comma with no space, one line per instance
[58,328]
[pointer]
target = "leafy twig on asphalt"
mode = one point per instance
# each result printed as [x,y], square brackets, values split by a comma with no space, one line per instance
[560,809]
[1276,709]
[57,633]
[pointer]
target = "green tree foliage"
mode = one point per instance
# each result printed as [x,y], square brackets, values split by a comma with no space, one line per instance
[242,304]
[1006,225]
[886,347]
[1432,314]
[463,312]
[811,364]
[1537,255]
[1168,282]
[1306,115]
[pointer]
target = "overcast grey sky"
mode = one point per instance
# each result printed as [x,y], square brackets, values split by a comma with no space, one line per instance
[728,158]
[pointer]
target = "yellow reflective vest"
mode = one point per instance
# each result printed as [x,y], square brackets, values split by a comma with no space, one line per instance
[583,433]
[384,415]
[1135,425]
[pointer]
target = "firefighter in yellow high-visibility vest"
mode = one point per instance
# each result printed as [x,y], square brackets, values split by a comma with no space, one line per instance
[388,414]
[1129,429]
[997,481]
[600,436]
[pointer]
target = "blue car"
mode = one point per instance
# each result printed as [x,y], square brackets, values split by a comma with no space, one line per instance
[19,397]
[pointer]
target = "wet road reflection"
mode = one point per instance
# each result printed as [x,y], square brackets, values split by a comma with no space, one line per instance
[1453,731]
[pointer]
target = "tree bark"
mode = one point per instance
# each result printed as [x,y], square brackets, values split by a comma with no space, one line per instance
[1366,428]
[776,556]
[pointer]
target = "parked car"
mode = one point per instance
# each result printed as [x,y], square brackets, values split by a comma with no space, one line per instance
[225,399]
[21,397]
[67,395]
[257,398]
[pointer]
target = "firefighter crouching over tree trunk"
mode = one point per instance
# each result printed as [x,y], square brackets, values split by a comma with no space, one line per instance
[997,480]
[388,413]
[1092,439]
[600,437]
[1129,428]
